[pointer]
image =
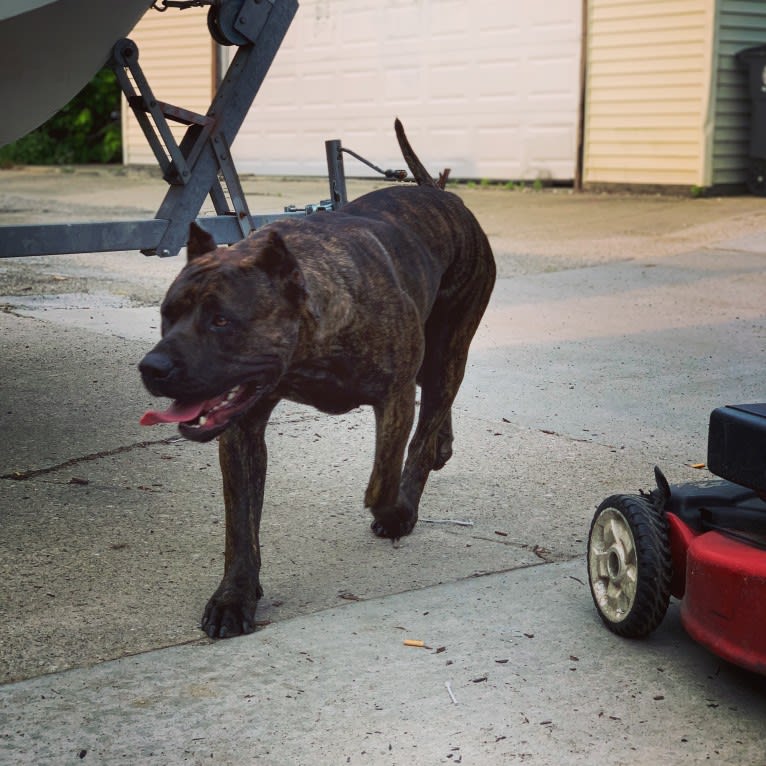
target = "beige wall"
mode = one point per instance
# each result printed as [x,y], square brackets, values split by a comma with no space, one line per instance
[176,56]
[648,91]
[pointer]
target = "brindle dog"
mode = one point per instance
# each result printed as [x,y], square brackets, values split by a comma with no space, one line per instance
[335,310]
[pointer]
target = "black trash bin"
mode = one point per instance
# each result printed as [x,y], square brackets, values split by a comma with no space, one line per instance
[753,60]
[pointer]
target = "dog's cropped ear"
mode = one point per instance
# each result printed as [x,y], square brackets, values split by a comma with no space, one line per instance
[278,262]
[200,242]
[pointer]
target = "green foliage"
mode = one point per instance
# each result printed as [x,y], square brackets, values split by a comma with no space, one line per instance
[84,131]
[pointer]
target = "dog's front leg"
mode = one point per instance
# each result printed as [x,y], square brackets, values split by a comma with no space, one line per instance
[393,421]
[242,453]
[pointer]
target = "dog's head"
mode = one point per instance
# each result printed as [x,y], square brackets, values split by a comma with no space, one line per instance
[230,324]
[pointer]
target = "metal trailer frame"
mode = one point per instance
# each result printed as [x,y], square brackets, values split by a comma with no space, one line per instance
[201,164]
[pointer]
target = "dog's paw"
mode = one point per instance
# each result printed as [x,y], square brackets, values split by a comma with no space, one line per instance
[230,612]
[443,454]
[393,522]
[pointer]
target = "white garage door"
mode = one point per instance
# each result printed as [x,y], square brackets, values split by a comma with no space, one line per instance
[488,88]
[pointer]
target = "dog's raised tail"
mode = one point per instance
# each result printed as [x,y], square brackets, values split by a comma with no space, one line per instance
[421,175]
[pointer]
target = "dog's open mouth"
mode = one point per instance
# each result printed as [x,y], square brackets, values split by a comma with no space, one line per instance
[204,420]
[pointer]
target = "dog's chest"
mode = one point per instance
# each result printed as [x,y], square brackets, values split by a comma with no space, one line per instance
[334,385]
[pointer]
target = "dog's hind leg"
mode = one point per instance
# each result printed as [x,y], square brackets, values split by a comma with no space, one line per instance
[448,334]
[444,439]
[393,422]
[431,445]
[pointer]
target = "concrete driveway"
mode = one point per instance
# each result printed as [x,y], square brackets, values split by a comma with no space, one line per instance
[617,324]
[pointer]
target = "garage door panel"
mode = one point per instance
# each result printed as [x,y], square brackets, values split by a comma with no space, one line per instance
[460,75]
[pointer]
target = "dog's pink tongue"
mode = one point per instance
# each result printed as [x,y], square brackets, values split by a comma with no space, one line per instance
[176,413]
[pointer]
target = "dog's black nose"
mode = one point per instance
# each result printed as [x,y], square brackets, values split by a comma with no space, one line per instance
[155,366]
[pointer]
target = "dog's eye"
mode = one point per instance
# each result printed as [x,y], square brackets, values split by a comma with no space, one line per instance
[219,321]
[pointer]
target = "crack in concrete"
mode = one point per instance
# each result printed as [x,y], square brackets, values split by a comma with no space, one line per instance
[35,472]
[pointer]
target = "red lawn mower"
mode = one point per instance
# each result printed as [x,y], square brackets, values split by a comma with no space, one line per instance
[703,543]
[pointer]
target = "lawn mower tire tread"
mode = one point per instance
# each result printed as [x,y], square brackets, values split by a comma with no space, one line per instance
[637,565]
